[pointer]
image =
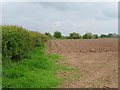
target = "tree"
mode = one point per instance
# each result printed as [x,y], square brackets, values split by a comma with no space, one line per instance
[115,35]
[95,36]
[57,34]
[112,35]
[103,36]
[74,36]
[118,35]
[87,36]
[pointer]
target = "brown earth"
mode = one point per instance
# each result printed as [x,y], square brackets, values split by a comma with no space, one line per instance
[96,61]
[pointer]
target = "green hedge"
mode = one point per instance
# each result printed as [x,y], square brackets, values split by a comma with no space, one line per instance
[17,42]
[37,38]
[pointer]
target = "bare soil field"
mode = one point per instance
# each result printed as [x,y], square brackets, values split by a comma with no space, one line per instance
[96,61]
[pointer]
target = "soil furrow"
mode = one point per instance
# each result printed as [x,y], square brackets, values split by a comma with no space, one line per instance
[96,61]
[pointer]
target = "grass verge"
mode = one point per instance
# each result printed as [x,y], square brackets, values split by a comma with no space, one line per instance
[38,71]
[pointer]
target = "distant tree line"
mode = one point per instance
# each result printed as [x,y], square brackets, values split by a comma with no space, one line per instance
[74,35]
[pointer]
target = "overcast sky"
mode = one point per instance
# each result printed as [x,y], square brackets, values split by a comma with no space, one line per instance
[66,17]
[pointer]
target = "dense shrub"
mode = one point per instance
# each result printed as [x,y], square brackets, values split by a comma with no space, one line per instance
[37,38]
[17,42]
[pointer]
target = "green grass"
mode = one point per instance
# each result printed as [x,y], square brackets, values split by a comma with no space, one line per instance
[39,71]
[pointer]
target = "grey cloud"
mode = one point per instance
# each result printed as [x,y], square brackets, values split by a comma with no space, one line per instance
[64,17]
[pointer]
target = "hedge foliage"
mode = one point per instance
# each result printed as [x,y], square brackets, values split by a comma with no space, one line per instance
[17,42]
[37,38]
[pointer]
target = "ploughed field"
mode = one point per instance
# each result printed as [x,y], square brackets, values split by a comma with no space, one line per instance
[96,61]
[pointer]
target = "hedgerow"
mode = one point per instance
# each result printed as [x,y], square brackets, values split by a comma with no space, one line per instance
[17,42]
[37,38]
